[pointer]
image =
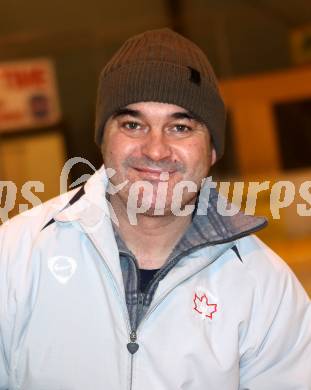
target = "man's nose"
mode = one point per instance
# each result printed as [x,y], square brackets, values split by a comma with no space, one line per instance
[156,146]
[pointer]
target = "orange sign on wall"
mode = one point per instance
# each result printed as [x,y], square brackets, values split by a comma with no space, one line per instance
[28,95]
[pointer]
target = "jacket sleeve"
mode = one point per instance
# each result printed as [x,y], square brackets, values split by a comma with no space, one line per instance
[280,356]
[4,377]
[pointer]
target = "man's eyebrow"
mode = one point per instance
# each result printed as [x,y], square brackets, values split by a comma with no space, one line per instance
[126,111]
[185,115]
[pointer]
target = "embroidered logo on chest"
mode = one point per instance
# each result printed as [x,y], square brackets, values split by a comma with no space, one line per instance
[204,306]
[62,268]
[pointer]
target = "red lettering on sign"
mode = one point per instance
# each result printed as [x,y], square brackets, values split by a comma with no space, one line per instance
[11,116]
[21,79]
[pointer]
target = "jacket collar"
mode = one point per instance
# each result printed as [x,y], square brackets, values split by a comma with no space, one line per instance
[213,228]
[92,206]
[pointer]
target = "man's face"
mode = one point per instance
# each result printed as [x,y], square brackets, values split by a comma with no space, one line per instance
[145,140]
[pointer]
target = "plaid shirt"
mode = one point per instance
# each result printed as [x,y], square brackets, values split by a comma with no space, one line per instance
[209,229]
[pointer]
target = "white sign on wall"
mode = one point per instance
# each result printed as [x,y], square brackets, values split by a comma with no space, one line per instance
[28,95]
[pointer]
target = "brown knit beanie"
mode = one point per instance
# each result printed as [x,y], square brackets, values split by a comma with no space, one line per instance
[161,66]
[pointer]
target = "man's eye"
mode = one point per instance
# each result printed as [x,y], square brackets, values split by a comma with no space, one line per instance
[131,125]
[182,128]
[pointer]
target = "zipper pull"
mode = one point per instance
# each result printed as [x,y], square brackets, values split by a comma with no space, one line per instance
[140,300]
[133,346]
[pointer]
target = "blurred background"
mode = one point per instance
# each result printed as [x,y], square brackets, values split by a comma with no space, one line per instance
[51,54]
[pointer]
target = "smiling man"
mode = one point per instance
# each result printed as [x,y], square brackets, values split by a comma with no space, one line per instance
[180,299]
[148,139]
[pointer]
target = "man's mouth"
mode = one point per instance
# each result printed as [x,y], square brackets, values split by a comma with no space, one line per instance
[152,173]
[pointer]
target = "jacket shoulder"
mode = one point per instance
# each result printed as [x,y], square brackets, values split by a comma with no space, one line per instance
[30,222]
[270,273]
[259,257]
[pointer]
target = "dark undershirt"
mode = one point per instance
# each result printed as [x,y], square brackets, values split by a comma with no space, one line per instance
[146,275]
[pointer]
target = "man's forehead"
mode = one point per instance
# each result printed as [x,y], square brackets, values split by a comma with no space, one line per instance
[155,105]
[155,108]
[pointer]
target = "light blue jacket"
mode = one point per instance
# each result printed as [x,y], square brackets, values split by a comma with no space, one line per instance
[215,322]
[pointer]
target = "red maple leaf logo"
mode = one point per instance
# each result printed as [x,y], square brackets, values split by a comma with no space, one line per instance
[202,306]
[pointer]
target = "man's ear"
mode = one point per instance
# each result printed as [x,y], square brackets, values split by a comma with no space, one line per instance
[214,156]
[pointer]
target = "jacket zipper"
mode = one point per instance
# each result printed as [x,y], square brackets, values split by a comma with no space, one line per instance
[133,346]
[131,376]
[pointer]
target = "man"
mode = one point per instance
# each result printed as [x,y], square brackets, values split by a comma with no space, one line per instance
[138,281]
